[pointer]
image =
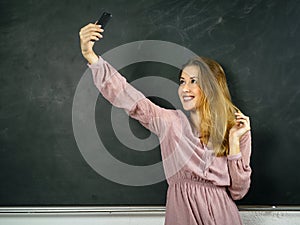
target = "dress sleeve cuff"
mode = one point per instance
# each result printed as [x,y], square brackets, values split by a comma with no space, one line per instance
[96,64]
[234,157]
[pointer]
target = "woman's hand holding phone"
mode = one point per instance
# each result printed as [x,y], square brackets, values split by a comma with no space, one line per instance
[88,35]
[91,33]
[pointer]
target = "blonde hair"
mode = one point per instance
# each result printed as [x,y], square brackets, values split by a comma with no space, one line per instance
[215,106]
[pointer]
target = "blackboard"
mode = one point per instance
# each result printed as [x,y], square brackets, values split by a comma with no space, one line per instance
[257,43]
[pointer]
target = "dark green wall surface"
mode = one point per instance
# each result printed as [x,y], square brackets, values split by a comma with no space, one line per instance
[256,41]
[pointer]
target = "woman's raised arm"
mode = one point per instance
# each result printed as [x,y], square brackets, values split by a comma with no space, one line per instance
[115,88]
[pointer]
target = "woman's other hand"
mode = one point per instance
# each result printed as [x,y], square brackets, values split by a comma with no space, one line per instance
[242,126]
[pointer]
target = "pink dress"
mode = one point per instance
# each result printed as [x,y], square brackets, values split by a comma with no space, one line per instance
[202,187]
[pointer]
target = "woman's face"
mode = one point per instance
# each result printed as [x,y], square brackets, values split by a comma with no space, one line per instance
[189,91]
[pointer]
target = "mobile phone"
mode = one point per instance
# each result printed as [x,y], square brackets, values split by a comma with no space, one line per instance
[103,20]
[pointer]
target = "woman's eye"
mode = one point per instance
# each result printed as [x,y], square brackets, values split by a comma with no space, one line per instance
[181,82]
[194,81]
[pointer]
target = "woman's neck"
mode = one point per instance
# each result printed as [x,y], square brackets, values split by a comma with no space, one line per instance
[195,119]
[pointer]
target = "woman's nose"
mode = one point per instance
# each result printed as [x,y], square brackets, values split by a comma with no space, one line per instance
[186,88]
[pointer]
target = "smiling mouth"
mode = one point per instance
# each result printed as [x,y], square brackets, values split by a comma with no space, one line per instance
[188,98]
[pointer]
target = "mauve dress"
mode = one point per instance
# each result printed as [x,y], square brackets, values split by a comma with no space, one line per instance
[202,187]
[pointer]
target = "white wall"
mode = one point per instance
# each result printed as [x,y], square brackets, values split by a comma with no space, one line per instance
[128,216]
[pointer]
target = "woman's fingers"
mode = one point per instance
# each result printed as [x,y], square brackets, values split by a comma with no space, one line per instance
[91,29]
[88,35]
[91,26]
[242,125]
[91,32]
[92,36]
[241,116]
[242,120]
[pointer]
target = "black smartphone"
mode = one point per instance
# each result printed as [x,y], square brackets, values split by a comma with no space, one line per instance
[103,20]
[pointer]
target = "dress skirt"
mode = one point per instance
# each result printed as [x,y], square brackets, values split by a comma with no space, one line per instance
[199,202]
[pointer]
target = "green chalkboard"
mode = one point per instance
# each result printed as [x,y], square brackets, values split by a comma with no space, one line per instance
[257,43]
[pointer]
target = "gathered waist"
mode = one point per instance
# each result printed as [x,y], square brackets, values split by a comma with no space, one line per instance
[193,180]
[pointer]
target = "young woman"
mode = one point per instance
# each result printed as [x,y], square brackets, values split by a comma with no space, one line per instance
[206,156]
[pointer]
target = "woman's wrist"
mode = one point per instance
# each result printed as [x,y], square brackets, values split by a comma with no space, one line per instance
[91,57]
[234,145]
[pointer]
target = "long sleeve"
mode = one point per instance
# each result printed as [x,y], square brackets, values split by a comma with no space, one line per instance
[240,170]
[114,87]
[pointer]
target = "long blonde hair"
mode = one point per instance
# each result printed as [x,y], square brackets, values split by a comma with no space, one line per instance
[215,106]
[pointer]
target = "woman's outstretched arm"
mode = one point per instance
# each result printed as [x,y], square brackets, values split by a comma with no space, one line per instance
[114,87]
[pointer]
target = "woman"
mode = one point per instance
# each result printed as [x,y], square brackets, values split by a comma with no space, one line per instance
[206,157]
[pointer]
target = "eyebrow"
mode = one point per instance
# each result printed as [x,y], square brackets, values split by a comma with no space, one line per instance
[190,77]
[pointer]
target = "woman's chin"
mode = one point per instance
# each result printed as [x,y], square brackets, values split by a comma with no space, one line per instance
[188,108]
